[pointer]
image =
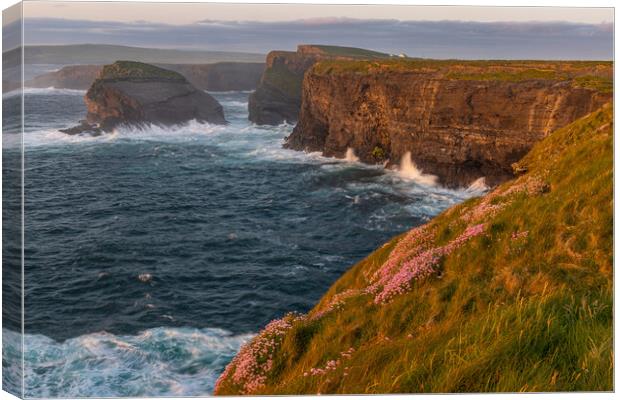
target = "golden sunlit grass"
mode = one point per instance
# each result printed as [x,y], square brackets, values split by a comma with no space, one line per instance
[525,307]
[596,75]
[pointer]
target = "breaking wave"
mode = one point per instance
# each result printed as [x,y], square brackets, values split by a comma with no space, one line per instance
[410,171]
[156,362]
[478,186]
[350,155]
[44,91]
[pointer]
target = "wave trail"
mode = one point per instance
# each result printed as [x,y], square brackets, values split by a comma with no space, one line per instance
[44,91]
[157,362]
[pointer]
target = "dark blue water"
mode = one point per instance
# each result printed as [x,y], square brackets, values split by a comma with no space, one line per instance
[151,254]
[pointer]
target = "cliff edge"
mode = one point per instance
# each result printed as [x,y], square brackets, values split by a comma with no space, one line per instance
[278,96]
[460,120]
[133,93]
[509,292]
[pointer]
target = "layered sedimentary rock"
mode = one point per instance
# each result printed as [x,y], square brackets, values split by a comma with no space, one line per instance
[224,76]
[460,121]
[278,96]
[132,93]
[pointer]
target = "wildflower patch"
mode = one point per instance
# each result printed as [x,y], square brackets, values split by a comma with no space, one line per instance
[402,269]
[250,366]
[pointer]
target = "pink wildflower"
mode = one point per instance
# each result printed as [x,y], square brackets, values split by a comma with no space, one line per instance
[519,235]
[531,185]
[336,303]
[420,266]
[250,366]
[482,211]
[330,365]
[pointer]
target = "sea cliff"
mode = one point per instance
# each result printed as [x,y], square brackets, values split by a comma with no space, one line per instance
[509,292]
[69,77]
[278,96]
[459,120]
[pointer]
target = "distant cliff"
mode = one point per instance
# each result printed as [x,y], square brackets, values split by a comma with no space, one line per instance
[459,120]
[224,76]
[278,96]
[133,93]
[221,77]
[69,77]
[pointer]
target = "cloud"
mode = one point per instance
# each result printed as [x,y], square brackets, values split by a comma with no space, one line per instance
[438,39]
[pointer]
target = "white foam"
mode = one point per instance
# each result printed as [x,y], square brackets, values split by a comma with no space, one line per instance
[234,103]
[409,170]
[215,92]
[156,362]
[478,186]
[190,131]
[44,91]
[350,155]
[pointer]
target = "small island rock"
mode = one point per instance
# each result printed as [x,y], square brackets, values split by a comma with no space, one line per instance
[134,93]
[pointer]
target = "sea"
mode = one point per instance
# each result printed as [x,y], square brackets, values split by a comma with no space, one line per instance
[153,254]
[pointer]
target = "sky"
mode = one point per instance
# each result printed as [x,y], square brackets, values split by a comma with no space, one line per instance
[186,13]
[420,31]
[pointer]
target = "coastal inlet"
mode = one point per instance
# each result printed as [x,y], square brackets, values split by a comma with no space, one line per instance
[168,247]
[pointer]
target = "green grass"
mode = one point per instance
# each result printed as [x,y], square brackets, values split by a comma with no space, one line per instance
[531,314]
[602,84]
[284,80]
[352,52]
[595,75]
[137,70]
[516,76]
[289,82]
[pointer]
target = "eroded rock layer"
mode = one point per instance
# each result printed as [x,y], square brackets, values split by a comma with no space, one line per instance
[460,122]
[278,96]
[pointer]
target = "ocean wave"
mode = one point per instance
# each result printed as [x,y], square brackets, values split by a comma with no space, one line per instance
[44,91]
[193,130]
[234,103]
[156,362]
[223,92]
[409,170]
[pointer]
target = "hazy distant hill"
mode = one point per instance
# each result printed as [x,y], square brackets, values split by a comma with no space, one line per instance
[106,54]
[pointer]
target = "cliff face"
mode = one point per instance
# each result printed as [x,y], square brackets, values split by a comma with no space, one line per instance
[512,291]
[134,93]
[458,123]
[222,76]
[70,77]
[278,96]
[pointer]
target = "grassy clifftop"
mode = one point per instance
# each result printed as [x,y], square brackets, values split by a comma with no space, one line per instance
[589,74]
[508,292]
[123,70]
[340,51]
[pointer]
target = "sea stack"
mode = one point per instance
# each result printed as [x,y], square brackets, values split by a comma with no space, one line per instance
[134,93]
[277,98]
